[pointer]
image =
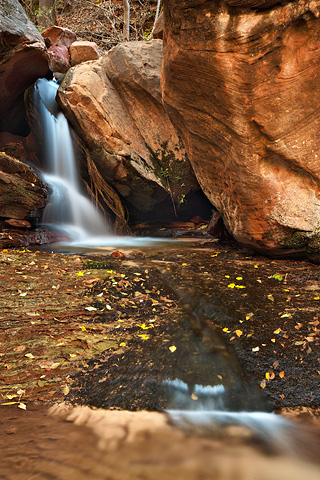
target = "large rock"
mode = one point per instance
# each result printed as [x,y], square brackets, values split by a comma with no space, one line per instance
[21,191]
[23,59]
[242,86]
[83,51]
[115,106]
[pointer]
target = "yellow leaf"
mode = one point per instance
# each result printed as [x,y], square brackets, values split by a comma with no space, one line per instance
[144,337]
[231,285]
[184,264]
[123,344]
[316,298]
[215,255]
[227,276]
[263,384]
[29,355]
[249,315]
[226,330]
[239,333]
[239,278]
[277,331]
[273,340]
[80,274]
[83,329]
[267,375]
[256,266]
[65,389]
[240,286]
[23,406]
[270,297]
[173,348]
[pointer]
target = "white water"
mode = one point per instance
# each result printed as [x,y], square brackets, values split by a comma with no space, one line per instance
[68,210]
[202,411]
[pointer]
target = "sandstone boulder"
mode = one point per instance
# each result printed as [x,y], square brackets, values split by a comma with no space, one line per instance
[58,36]
[241,83]
[58,41]
[60,58]
[115,106]
[83,51]
[23,59]
[21,191]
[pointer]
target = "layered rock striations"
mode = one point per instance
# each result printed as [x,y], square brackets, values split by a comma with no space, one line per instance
[23,59]
[22,192]
[115,105]
[241,83]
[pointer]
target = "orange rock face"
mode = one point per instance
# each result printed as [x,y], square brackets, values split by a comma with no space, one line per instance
[115,106]
[83,51]
[242,87]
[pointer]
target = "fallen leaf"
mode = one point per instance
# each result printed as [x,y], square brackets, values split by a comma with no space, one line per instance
[90,309]
[117,254]
[270,297]
[256,349]
[239,333]
[263,384]
[173,348]
[65,389]
[29,355]
[277,331]
[281,374]
[249,315]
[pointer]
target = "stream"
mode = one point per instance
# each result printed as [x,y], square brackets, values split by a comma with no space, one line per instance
[190,372]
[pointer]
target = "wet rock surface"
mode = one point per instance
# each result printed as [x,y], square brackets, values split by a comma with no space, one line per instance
[105,330]
[67,443]
[124,313]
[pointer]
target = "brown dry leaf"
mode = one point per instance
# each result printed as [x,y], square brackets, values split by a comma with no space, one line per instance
[20,348]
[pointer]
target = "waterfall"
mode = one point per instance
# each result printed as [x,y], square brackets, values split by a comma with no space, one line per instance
[67,209]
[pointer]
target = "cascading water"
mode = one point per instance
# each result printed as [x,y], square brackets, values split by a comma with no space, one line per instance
[67,209]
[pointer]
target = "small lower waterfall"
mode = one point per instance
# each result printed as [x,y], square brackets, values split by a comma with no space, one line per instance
[68,209]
